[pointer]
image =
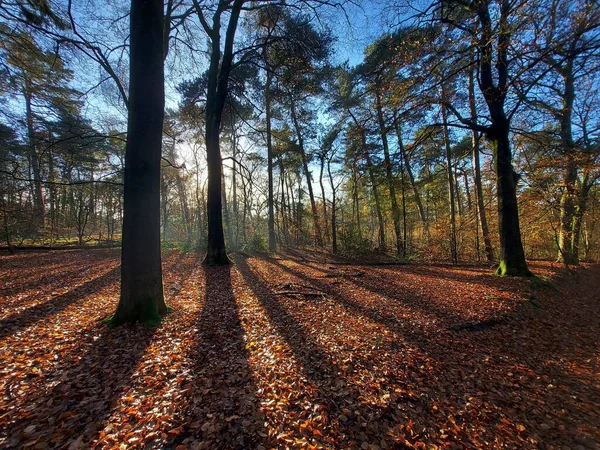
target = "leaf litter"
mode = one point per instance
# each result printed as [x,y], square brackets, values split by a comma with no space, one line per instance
[299,353]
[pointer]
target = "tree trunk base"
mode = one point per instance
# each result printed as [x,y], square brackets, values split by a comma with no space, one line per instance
[147,312]
[506,269]
[216,258]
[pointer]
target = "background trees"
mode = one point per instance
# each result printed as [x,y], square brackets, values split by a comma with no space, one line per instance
[484,113]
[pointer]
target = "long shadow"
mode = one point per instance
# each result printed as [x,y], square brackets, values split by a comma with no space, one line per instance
[388,320]
[510,347]
[42,311]
[450,272]
[223,411]
[86,391]
[335,393]
[379,284]
[46,281]
[34,270]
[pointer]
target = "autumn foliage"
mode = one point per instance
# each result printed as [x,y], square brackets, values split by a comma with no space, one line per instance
[298,351]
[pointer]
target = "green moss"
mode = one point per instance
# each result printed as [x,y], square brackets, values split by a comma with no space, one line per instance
[146,313]
[504,270]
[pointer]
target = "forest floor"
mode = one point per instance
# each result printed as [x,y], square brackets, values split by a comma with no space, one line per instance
[295,351]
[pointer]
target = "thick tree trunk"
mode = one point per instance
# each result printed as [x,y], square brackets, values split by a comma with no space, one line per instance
[215,250]
[217,88]
[578,218]
[568,199]
[141,272]
[512,256]
[388,172]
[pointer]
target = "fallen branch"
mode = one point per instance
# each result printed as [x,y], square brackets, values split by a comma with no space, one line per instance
[307,294]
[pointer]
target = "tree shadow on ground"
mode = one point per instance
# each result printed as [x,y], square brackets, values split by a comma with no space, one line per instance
[223,411]
[352,418]
[55,305]
[84,392]
[514,348]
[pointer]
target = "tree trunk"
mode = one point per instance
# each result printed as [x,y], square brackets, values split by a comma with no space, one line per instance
[181,192]
[141,272]
[236,208]
[411,179]
[271,218]
[371,170]
[217,89]
[215,250]
[467,190]
[578,218]
[485,231]
[164,205]
[225,207]
[334,246]
[388,173]
[325,222]
[450,176]
[458,194]
[284,221]
[512,256]
[355,204]
[313,206]
[568,199]
[38,194]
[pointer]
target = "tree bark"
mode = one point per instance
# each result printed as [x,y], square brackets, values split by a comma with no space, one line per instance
[217,89]
[388,173]
[371,171]
[355,204]
[325,222]
[578,217]
[334,246]
[451,192]
[512,256]
[569,196]
[313,205]
[38,193]
[142,296]
[411,179]
[270,200]
[485,231]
